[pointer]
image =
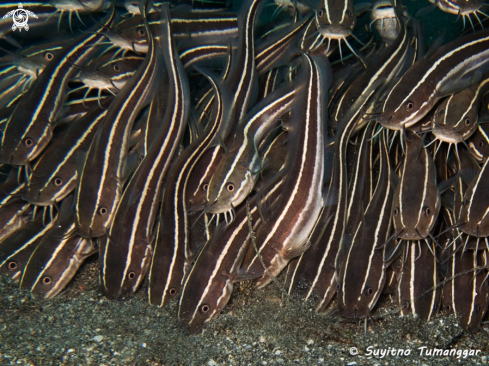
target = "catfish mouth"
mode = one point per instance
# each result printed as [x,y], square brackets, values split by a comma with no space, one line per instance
[386,121]
[217,207]
[335,31]
[35,201]
[411,234]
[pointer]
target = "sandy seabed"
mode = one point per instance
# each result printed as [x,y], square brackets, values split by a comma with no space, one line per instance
[82,327]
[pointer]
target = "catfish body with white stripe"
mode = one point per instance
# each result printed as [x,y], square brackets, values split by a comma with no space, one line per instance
[102,175]
[416,200]
[362,273]
[286,235]
[209,285]
[125,253]
[417,293]
[447,70]
[474,214]
[467,295]
[30,127]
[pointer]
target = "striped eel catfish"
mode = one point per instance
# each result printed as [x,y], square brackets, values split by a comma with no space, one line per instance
[77,7]
[474,214]
[333,20]
[383,16]
[387,66]
[54,176]
[235,91]
[130,35]
[269,51]
[419,275]
[447,70]
[462,8]
[15,250]
[286,234]
[362,272]
[126,251]
[209,285]
[111,75]
[360,184]
[467,296]
[267,54]
[172,248]
[238,169]
[20,70]
[455,119]
[57,257]
[29,128]
[241,79]
[31,61]
[103,173]
[416,200]
[314,274]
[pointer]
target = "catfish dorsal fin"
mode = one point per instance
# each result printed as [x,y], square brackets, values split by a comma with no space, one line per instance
[219,141]
[455,86]
[66,210]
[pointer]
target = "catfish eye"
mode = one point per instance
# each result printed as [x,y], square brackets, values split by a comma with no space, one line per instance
[116,67]
[321,12]
[47,280]
[448,307]
[141,32]
[205,308]
[131,275]
[396,211]
[406,305]
[467,121]
[28,142]
[48,56]
[172,291]
[465,202]
[338,287]
[369,291]
[205,187]
[441,111]
[230,187]
[409,106]
[350,13]
[426,211]
[481,144]
[478,308]
[102,210]
[57,181]
[12,265]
